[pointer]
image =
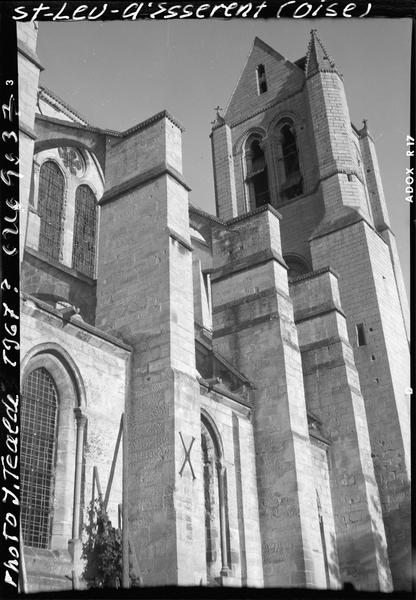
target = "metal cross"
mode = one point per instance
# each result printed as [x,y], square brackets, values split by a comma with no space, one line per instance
[187,456]
[218,117]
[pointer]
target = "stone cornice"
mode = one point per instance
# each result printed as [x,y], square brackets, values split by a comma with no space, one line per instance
[29,54]
[313,274]
[228,398]
[27,131]
[317,311]
[179,238]
[164,114]
[76,322]
[256,211]
[44,91]
[205,215]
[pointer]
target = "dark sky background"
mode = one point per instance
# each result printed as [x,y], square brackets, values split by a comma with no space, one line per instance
[117,74]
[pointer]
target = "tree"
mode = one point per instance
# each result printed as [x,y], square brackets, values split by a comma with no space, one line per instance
[102,549]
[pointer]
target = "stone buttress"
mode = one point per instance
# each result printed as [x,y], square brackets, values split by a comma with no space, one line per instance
[353,239]
[333,394]
[29,69]
[144,292]
[253,326]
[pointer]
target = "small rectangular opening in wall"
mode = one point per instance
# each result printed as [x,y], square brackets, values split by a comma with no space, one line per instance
[261,79]
[361,340]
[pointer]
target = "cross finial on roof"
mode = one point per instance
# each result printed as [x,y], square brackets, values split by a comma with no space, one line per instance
[317,57]
[219,118]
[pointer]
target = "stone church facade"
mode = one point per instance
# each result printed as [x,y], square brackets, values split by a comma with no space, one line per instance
[260,356]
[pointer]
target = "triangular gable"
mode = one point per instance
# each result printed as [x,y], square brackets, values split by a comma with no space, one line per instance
[283,78]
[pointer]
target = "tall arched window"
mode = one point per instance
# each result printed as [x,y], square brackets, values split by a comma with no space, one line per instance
[216,525]
[50,208]
[83,251]
[257,178]
[38,419]
[289,150]
[292,183]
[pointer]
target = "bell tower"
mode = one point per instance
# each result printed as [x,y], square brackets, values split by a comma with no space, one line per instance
[286,143]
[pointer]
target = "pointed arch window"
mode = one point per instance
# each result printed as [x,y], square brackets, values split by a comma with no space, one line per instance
[289,150]
[38,417]
[257,177]
[85,226]
[216,522]
[261,79]
[290,172]
[52,427]
[50,208]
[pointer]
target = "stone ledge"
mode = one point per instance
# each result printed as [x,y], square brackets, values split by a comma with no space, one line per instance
[141,180]
[254,212]
[245,300]
[349,216]
[60,266]
[180,239]
[245,263]
[317,311]
[29,54]
[335,339]
[28,131]
[94,331]
[246,325]
[313,274]
[222,396]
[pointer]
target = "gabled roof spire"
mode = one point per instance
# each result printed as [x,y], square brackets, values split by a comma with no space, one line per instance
[317,57]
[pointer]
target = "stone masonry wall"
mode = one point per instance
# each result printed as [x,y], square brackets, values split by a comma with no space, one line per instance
[236,433]
[145,228]
[319,451]
[334,146]
[28,78]
[43,279]
[333,395]
[101,367]
[253,326]
[369,297]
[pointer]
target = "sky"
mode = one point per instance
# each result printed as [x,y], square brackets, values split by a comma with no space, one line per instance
[117,74]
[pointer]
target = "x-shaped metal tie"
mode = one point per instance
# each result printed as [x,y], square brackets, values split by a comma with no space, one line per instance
[187,456]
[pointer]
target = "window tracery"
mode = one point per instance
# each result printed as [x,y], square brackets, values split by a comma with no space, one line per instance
[73,160]
[50,208]
[85,224]
[37,456]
